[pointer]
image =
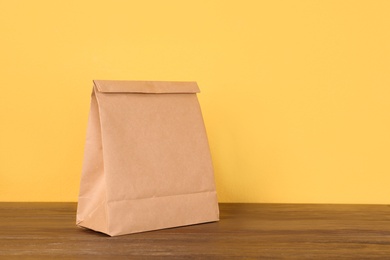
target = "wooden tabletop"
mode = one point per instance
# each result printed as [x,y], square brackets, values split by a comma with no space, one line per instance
[245,231]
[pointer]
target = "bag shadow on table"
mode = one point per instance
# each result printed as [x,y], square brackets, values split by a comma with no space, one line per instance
[147,162]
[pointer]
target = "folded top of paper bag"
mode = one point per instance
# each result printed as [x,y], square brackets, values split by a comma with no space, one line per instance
[122,86]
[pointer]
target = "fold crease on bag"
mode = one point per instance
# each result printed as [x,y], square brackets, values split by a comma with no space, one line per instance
[147,163]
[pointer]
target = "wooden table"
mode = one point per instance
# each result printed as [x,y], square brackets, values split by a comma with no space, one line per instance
[246,231]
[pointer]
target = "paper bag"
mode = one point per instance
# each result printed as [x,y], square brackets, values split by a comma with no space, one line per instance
[147,162]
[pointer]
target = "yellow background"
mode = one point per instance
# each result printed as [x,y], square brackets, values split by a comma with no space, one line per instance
[295,94]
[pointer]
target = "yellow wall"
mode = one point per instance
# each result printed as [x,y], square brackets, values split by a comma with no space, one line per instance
[295,94]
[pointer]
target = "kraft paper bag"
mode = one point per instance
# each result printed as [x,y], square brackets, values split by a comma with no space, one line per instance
[147,162]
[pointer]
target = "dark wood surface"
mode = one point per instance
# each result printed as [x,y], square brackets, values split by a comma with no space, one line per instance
[246,231]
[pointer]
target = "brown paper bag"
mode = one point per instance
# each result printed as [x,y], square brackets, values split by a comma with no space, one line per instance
[147,162]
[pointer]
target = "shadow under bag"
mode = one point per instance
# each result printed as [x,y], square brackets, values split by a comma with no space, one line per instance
[147,162]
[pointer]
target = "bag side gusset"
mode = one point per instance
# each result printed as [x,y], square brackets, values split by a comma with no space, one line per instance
[92,208]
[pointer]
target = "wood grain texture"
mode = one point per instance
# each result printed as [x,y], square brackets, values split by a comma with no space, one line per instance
[246,231]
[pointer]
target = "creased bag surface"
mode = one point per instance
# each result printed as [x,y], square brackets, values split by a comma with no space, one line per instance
[147,162]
